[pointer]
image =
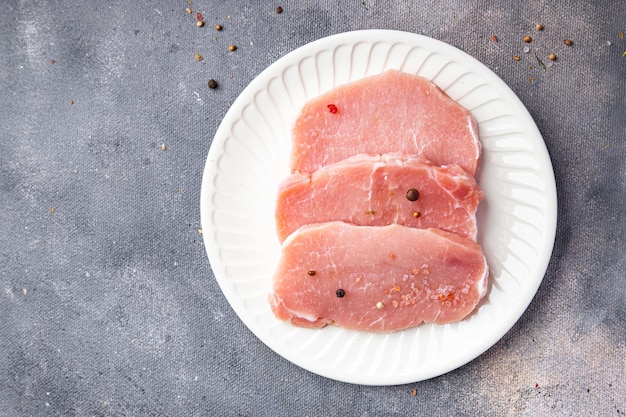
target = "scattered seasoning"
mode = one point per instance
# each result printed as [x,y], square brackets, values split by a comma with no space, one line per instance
[552,57]
[494,38]
[539,26]
[332,108]
[279,10]
[414,392]
[372,212]
[340,293]
[200,231]
[53,62]
[199,17]
[212,84]
[200,23]
[188,10]
[416,214]
[218,27]
[380,305]
[232,48]
[568,42]
[198,57]
[621,35]
[163,147]
[516,57]
[527,39]
[311,272]
[446,297]
[541,64]
[412,194]
[71,101]
[52,209]
[624,54]
[536,385]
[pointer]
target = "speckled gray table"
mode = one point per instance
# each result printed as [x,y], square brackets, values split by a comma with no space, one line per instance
[108,306]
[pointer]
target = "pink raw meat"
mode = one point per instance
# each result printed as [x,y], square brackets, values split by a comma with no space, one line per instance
[390,112]
[371,190]
[377,278]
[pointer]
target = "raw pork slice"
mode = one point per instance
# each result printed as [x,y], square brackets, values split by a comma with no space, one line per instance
[372,190]
[377,278]
[390,112]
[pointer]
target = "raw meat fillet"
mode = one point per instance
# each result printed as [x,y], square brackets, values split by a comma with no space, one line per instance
[377,278]
[371,190]
[390,112]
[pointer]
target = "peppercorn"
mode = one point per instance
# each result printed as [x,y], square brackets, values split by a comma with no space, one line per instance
[232,48]
[568,42]
[552,57]
[412,194]
[516,57]
[380,305]
[279,10]
[218,27]
[539,26]
[527,39]
[416,214]
[311,272]
[200,23]
[212,84]
[340,293]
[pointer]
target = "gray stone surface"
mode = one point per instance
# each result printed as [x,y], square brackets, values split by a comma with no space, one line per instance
[108,306]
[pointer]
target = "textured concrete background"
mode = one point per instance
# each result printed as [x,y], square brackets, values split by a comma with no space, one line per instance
[108,306]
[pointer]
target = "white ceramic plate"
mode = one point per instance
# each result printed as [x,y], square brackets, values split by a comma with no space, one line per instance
[249,157]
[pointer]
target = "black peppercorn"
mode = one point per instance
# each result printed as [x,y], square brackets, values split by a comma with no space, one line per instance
[311,272]
[212,84]
[340,293]
[412,194]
